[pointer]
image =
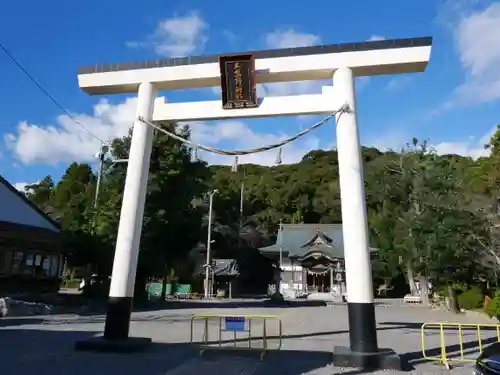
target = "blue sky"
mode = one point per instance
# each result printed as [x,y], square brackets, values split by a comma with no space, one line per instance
[455,103]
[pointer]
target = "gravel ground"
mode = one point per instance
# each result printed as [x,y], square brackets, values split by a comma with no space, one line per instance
[44,345]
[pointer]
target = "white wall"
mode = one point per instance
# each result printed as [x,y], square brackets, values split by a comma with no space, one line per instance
[14,210]
[287,266]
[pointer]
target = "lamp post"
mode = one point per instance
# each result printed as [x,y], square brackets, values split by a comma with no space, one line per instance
[234,169]
[209,242]
[100,155]
[242,192]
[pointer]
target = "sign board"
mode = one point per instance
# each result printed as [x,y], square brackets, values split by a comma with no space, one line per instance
[235,323]
[238,84]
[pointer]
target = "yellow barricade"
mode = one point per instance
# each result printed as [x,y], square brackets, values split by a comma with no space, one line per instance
[237,332]
[471,340]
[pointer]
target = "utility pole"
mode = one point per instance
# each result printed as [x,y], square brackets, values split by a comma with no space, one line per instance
[100,155]
[208,266]
[242,192]
[101,172]
[242,198]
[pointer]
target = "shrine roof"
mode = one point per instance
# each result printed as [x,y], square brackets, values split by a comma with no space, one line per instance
[222,268]
[299,240]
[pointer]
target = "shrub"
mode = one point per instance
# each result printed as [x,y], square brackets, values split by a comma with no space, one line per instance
[71,283]
[458,288]
[493,308]
[471,299]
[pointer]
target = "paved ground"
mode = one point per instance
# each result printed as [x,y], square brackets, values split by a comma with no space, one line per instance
[45,345]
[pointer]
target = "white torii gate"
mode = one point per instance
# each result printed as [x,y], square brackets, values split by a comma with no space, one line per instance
[340,62]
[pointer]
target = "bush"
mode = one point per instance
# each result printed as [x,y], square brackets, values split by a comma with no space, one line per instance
[471,299]
[493,308]
[458,288]
[71,283]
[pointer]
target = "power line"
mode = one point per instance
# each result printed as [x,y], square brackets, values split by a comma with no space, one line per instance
[47,94]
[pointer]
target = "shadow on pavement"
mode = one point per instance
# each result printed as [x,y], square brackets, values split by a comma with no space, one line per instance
[11,322]
[35,351]
[41,351]
[226,304]
[470,349]
[452,351]
[417,325]
[84,306]
[187,319]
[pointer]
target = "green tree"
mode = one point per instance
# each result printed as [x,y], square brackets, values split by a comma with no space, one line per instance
[42,194]
[431,216]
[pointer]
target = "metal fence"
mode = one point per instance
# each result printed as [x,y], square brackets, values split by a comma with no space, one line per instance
[259,333]
[458,342]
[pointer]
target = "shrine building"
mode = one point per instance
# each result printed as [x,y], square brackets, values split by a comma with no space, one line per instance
[311,259]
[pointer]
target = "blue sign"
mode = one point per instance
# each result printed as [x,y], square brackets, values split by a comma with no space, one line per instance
[235,323]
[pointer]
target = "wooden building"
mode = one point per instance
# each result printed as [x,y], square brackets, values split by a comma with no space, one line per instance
[30,245]
[309,258]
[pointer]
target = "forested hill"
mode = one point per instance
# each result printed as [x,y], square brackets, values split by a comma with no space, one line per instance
[425,210]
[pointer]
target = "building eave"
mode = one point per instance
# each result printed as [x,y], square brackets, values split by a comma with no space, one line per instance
[57,227]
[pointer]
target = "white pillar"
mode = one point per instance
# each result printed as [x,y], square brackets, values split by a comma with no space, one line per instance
[331,280]
[129,230]
[352,193]
[354,219]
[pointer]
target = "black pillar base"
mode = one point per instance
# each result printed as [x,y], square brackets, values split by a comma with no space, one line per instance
[383,359]
[363,351]
[118,315]
[103,345]
[116,328]
[362,327]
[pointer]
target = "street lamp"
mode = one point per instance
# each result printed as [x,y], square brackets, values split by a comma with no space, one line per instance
[100,155]
[209,242]
[234,169]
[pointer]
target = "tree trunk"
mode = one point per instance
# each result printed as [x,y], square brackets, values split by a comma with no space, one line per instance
[451,300]
[424,289]
[410,275]
[165,281]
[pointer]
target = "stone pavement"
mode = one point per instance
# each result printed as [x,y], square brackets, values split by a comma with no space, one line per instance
[44,345]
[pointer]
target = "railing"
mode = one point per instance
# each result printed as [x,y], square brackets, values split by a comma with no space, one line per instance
[454,352]
[237,332]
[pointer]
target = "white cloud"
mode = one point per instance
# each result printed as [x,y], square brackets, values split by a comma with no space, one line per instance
[375,38]
[394,140]
[397,83]
[240,136]
[290,38]
[177,36]
[466,148]
[66,141]
[472,146]
[20,186]
[477,37]
[229,36]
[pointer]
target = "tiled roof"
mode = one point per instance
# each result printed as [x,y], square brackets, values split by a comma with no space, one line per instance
[28,202]
[296,240]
